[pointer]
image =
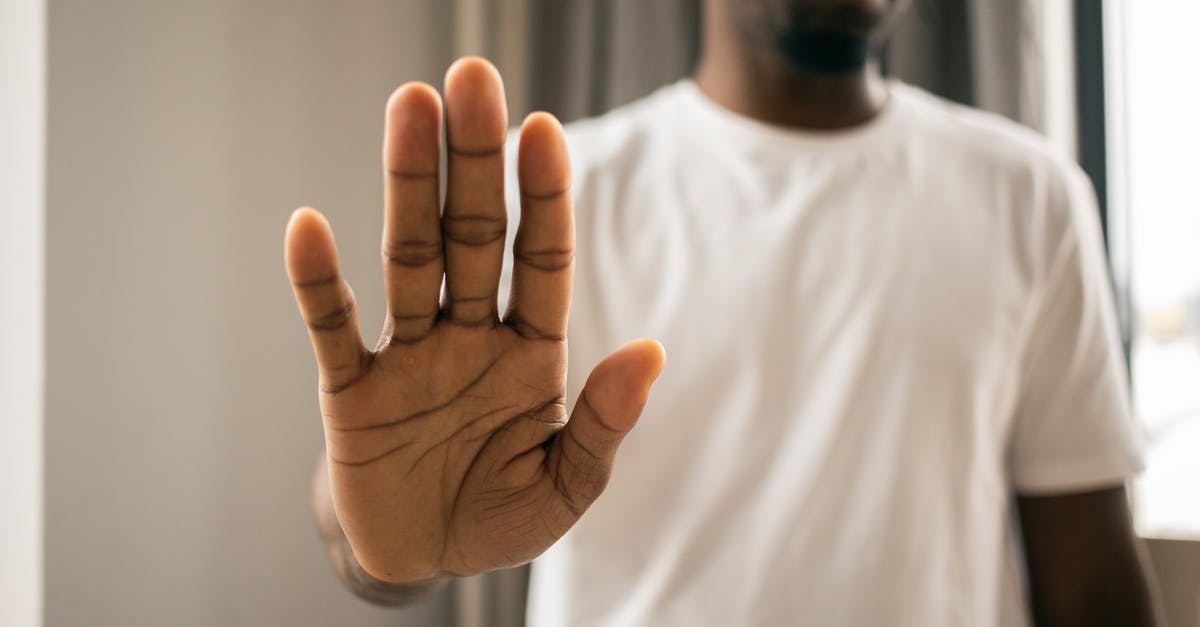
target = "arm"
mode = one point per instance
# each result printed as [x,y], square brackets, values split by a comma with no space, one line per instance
[1086,564]
[359,581]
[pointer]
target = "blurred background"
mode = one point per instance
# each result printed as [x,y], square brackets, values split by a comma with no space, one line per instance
[158,419]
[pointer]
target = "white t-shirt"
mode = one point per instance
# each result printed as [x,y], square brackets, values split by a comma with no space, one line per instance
[874,338]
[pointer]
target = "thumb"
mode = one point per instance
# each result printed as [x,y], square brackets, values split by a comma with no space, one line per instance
[581,457]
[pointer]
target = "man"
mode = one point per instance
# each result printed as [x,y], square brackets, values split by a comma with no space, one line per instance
[895,394]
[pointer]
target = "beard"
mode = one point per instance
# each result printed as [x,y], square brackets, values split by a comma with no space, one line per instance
[824,50]
[821,37]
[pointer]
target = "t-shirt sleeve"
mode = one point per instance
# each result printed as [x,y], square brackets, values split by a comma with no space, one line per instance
[1073,430]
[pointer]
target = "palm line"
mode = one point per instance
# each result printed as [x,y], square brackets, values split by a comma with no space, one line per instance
[425,412]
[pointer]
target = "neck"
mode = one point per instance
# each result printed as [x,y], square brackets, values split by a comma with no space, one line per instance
[757,82]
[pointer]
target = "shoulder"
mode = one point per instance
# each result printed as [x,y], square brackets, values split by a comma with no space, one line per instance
[977,138]
[1010,163]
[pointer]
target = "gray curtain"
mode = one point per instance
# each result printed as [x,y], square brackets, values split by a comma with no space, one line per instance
[590,56]
[580,58]
[981,53]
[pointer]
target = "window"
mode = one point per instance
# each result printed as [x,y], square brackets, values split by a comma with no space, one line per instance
[1154,173]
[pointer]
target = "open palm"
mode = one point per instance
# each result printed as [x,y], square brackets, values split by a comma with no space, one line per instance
[449,446]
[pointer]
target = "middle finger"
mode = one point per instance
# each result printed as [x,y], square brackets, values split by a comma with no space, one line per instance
[474,218]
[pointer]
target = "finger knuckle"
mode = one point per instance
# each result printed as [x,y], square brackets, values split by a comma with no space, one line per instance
[334,319]
[412,253]
[474,230]
[546,259]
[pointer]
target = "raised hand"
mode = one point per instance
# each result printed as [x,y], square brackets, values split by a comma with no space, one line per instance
[449,447]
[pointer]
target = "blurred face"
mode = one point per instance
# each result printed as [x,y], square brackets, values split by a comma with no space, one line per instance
[823,36]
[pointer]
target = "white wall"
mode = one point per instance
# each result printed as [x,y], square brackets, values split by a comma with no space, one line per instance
[181,417]
[22,133]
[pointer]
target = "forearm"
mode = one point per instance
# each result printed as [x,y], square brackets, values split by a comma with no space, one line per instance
[352,574]
[1086,564]
[1121,595]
